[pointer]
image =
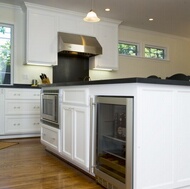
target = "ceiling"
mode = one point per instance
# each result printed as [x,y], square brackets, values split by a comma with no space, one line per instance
[170,16]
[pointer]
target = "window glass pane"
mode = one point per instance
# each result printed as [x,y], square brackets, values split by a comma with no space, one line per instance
[5,54]
[128,49]
[153,52]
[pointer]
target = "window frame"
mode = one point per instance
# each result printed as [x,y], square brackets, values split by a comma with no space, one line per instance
[11,26]
[165,49]
[130,43]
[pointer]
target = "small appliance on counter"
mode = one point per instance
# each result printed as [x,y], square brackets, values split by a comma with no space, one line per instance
[34,83]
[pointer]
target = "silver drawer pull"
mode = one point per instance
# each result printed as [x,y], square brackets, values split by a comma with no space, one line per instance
[16,107]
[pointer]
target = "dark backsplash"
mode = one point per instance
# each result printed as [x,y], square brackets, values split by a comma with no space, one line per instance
[70,68]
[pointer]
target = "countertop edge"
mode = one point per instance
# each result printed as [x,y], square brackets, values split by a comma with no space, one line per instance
[121,81]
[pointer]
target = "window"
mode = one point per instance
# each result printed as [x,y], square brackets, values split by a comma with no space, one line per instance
[6,53]
[155,52]
[126,48]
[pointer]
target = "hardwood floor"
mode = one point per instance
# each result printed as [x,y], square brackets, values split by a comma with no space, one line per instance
[29,166]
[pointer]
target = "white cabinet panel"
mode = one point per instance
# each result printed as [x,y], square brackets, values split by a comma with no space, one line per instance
[41,37]
[155,139]
[76,96]
[22,94]
[74,24]
[81,132]
[67,131]
[22,111]
[22,124]
[22,107]
[50,137]
[76,134]
[182,139]
[107,35]
[162,151]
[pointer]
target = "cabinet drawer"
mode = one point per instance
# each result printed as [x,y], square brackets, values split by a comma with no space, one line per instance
[76,96]
[22,94]
[50,137]
[22,107]
[22,124]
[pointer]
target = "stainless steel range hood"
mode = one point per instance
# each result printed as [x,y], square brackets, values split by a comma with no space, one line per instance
[82,45]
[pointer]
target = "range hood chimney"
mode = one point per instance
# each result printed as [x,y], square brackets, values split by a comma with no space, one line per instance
[73,44]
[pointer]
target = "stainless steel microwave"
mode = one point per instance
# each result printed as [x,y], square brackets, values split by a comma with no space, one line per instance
[50,107]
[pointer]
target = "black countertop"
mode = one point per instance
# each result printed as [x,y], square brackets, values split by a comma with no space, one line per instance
[122,80]
[20,86]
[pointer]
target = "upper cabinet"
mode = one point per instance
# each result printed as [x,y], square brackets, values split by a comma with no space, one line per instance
[43,23]
[107,35]
[41,36]
[74,24]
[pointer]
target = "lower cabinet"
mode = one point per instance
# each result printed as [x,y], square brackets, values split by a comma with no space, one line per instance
[22,124]
[50,137]
[21,112]
[76,135]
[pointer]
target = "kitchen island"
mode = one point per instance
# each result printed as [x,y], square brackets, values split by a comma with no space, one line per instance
[161,150]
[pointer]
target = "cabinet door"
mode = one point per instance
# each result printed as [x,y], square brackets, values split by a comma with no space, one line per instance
[22,94]
[41,37]
[74,24]
[107,35]
[67,131]
[81,132]
[22,124]
[22,107]
[50,137]
[75,134]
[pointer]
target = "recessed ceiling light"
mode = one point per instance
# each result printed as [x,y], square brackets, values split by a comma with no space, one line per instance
[150,19]
[107,9]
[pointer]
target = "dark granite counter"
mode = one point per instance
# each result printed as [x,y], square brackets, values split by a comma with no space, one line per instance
[19,86]
[122,80]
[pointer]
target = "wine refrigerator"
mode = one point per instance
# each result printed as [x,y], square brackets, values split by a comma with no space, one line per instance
[114,142]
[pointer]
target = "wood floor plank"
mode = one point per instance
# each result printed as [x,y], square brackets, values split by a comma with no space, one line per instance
[28,165]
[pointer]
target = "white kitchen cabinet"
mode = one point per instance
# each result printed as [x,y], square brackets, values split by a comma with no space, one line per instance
[50,137]
[107,35]
[22,111]
[74,24]
[75,129]
[22,107]
[22,124]
[2,111]
[76,96]
[22,94]
[41,36]
[75,133]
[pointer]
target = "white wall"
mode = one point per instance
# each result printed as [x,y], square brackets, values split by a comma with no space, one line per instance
[23,74]
[179,56]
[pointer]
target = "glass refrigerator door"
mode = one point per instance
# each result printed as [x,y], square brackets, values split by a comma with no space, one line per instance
[112,122]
